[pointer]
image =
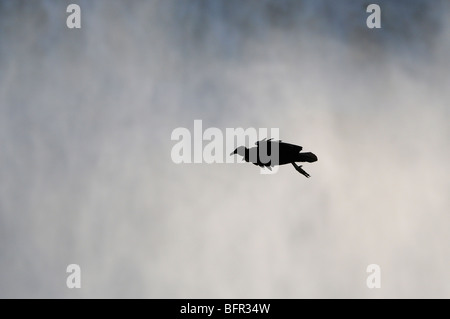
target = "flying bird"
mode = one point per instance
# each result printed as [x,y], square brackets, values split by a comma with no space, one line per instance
[266,151]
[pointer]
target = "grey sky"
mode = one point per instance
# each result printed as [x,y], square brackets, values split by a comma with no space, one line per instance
[86,175]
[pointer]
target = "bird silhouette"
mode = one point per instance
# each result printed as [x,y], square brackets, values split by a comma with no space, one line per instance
[268,153]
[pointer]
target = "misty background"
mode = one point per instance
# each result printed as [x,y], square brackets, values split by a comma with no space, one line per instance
[86,177]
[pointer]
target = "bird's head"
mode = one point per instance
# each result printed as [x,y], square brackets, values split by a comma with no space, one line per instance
[240,150]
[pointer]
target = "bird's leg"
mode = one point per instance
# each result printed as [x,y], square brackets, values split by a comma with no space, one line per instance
[300,170]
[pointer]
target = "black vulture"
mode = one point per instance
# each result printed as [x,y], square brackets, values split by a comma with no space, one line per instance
[265,154]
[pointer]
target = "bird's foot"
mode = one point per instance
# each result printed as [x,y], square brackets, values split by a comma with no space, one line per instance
[301,170]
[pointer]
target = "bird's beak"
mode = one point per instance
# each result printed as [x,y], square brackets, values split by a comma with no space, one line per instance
[234,152]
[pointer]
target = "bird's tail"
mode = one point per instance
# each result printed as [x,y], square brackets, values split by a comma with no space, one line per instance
[306,157]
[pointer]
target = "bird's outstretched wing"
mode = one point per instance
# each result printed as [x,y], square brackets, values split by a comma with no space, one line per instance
[264,141]
[282,146]
[291,148]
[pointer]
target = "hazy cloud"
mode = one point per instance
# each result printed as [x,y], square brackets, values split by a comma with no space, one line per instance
[86,176]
